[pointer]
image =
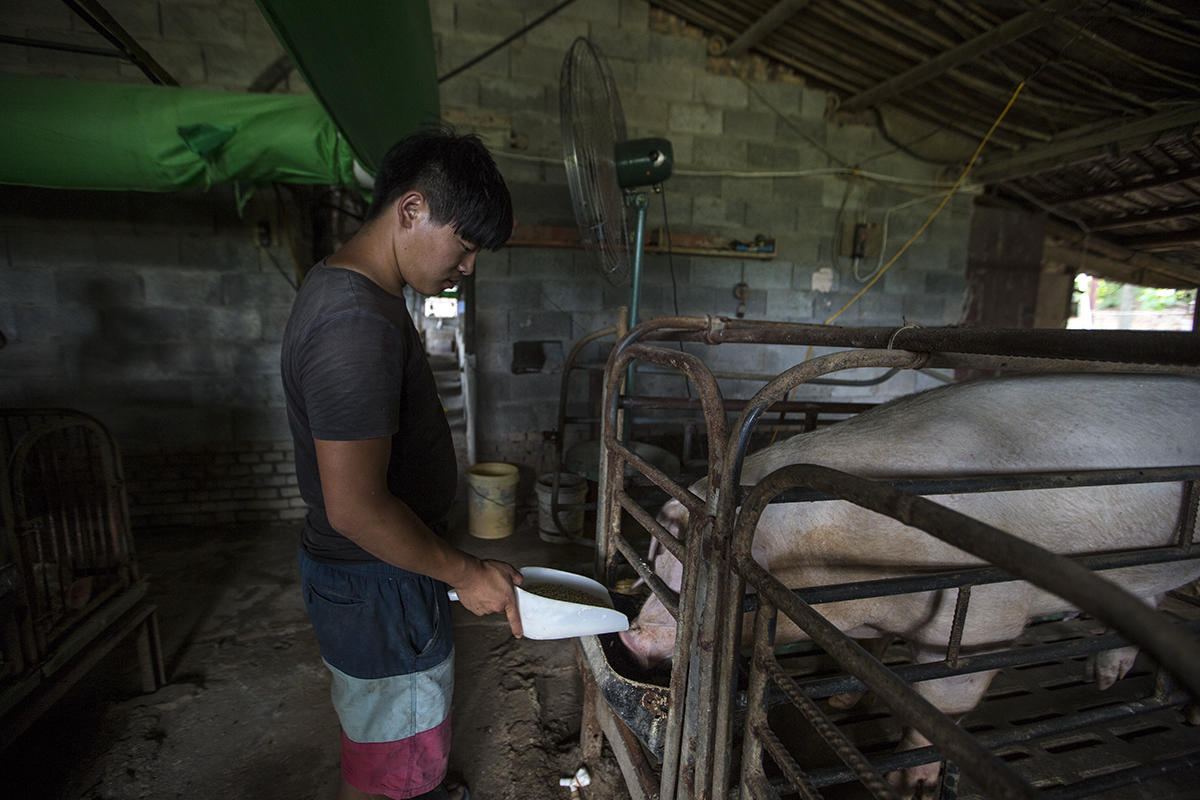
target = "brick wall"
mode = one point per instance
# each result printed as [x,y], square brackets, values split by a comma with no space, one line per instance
[222,484]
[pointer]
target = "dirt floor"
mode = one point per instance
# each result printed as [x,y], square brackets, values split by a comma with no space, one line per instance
[246,711]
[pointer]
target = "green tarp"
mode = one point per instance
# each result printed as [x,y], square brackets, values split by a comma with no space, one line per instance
[71,134]
[371,65]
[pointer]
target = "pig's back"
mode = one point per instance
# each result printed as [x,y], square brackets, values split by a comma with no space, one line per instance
[1008,425]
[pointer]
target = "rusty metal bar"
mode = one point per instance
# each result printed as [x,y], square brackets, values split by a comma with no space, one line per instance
[787,765]
[657,477]
[646,572]
[978,576]
[915,673]
[956,629]
[830,733]
[1023,560]
[674,771]
[758,787]
[1014,481]
[999,739]
[1147,347]
[725,596]
[756,706]
[1027,364]
[564,389]
[664,537]
[1187,522]
[637,403]
[1099,784]
[904,702]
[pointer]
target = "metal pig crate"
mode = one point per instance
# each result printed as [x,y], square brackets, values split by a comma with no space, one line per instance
[685,737]
[70,589]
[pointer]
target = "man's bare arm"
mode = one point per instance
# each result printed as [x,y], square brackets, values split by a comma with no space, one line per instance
[360,507]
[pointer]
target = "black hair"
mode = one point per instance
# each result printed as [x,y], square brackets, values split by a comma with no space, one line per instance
[459,179]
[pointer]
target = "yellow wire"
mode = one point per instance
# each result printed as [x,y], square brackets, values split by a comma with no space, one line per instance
[936,211]
[924,225]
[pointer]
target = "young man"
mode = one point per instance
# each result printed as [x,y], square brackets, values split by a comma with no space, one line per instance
[376,465]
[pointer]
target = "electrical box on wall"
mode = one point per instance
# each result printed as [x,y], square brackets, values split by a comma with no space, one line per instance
[861,239]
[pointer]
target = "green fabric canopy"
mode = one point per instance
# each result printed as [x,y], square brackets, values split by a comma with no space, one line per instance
[371,65]
[71,134]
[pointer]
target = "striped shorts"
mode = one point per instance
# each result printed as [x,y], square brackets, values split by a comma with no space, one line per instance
[385,635]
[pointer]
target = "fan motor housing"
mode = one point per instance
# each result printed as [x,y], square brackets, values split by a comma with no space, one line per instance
[643,162]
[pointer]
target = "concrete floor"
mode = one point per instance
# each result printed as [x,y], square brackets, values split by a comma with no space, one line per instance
[246,711]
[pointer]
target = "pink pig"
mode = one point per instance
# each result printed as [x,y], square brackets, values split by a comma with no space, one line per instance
[1016,424]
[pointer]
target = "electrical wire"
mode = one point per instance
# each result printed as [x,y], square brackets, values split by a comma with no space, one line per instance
[505,41]
[821,172]
[962,176]
[946,199]
[687,386]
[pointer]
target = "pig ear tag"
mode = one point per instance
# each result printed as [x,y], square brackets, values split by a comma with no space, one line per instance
[562,605]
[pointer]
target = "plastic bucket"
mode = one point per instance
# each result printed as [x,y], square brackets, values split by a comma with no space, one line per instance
[572,490]
[491,499]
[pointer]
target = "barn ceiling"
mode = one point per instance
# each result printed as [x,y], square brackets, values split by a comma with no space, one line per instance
[1104,135]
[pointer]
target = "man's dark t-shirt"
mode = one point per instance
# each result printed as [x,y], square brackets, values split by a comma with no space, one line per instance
[354,368]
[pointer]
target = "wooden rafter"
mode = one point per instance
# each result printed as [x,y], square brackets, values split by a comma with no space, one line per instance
[1056,154]
[778,14]
[1156,182]
[966,52]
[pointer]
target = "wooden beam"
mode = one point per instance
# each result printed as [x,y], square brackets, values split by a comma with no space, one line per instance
[966,52]
[778,14]
[1070,249]
[1058,154]
[1130,220]
[94,14]
[1174,240]
[1156,182]
[1076,260]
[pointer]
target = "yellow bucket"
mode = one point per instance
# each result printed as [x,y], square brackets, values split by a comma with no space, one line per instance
[492,499]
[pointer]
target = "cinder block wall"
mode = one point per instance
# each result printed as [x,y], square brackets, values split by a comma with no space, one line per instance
[162,315]
[754,156]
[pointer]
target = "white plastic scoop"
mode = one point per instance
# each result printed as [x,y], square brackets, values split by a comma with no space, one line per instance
[547,618]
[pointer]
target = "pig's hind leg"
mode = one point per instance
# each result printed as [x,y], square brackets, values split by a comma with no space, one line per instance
[953,696]
[1109,666]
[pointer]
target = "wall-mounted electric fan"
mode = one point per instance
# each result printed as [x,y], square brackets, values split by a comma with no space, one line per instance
[604,170]
[604,167]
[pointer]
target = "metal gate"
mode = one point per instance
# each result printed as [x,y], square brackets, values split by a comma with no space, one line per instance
[685,739]
[69,583]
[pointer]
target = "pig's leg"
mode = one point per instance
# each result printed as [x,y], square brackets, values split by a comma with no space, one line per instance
[1110,666]
[953,696]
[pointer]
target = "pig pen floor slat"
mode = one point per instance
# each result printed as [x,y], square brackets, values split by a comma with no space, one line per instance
[1072,762]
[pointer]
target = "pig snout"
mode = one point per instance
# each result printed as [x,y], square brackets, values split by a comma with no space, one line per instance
[651,637]
[649,645]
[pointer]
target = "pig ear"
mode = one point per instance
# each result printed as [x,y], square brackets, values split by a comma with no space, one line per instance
[672,516]
[670,569]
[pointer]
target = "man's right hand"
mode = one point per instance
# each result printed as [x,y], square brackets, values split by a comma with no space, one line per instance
[488,589]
